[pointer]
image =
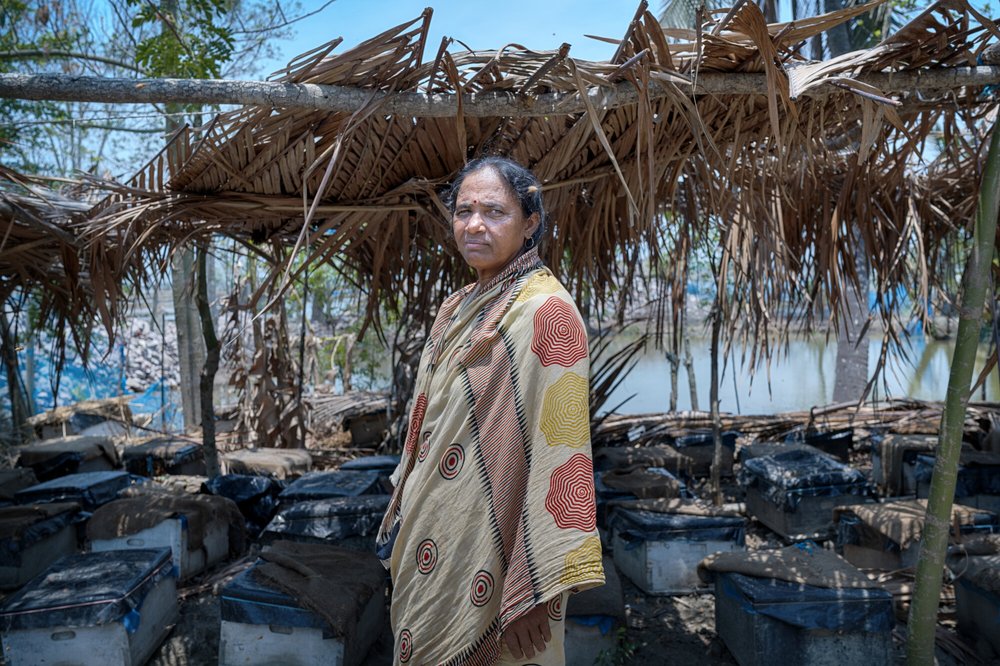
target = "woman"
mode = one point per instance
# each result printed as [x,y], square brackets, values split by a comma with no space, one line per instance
[492,522]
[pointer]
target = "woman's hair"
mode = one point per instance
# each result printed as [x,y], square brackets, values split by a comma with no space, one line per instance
[521,182]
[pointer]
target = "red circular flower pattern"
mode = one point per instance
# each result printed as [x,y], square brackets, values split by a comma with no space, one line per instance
[452,462]
[427,556]
[570,499]
[555,608]
[405,645]
[416,420]
[482,588]
[558,337]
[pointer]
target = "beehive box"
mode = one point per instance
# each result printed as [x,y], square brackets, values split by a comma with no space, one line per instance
[33,537]
[764,621]
[52,458]
[324,485]
[893,460]
[195,528]
[660,552]
[89,489]
[277,463]
[699,446]
[978,483]
[92,608]
[794,493]
[165,456]
[263,625]
[346,521]
[887,536]
[977,599]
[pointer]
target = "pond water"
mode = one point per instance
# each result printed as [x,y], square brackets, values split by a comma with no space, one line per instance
[797,380]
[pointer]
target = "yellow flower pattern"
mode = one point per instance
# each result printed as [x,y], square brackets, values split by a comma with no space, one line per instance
[565,416]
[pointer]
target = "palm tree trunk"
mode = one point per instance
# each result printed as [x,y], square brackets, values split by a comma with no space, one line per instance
[923,611]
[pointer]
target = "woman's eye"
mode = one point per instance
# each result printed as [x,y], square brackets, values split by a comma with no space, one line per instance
[496,212]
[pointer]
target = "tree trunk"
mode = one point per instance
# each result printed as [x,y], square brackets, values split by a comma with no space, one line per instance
[934,541]
[308,96]
[851,370]
[689,366]
[211,366]
[18,404]
[713,405]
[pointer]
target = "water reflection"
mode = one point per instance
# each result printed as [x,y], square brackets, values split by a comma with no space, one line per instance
[797,380]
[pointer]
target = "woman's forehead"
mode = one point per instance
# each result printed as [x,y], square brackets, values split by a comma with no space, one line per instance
[485,183]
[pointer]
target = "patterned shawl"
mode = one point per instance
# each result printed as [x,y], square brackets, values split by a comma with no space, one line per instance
[493,511]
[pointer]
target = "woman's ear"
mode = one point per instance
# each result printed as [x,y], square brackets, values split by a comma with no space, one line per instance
[531,225]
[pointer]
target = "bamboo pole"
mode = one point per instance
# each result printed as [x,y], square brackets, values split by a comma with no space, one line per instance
[923,612]
[486,104]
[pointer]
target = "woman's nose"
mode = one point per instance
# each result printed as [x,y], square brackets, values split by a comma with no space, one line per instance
[476,222]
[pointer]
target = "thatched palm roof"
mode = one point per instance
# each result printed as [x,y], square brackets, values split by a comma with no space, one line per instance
[777,180]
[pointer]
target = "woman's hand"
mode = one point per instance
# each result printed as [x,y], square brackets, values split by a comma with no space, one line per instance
[529,633]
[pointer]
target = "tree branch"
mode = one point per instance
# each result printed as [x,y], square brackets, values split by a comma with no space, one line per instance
[490,104]
[45,53]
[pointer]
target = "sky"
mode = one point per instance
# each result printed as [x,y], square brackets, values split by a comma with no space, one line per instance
[536,24]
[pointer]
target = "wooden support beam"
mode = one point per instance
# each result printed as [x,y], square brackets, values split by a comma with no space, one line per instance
[347,99]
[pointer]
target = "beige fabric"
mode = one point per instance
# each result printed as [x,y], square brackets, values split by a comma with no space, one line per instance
[808,565]
[903,522]
[335,583]
[632,457]
[494,512]
[279,463]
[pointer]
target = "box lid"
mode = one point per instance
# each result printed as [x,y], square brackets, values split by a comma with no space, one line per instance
[249,599]
[91,489]
[331,519]
[374,463]
[87,589]
[322,485]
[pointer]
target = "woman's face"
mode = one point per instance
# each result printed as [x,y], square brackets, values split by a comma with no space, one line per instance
[489,224]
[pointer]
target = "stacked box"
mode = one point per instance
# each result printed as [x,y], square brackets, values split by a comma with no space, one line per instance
[349,522]
[384,465]
[893,460]
[615,485]
[165,456]
[699,446]
[195,528]
[765,621]
[93,608]
[277,463]
[261,624]
[887,536]
[33,537]
[836,443]
[324,485]
[12,480]
[660,552]
[794,493]
[255,496]
[977,598]
[90,489]
[52,458]
[978,483]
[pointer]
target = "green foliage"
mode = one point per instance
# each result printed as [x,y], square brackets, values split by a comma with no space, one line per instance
[193,43]
[622,654]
